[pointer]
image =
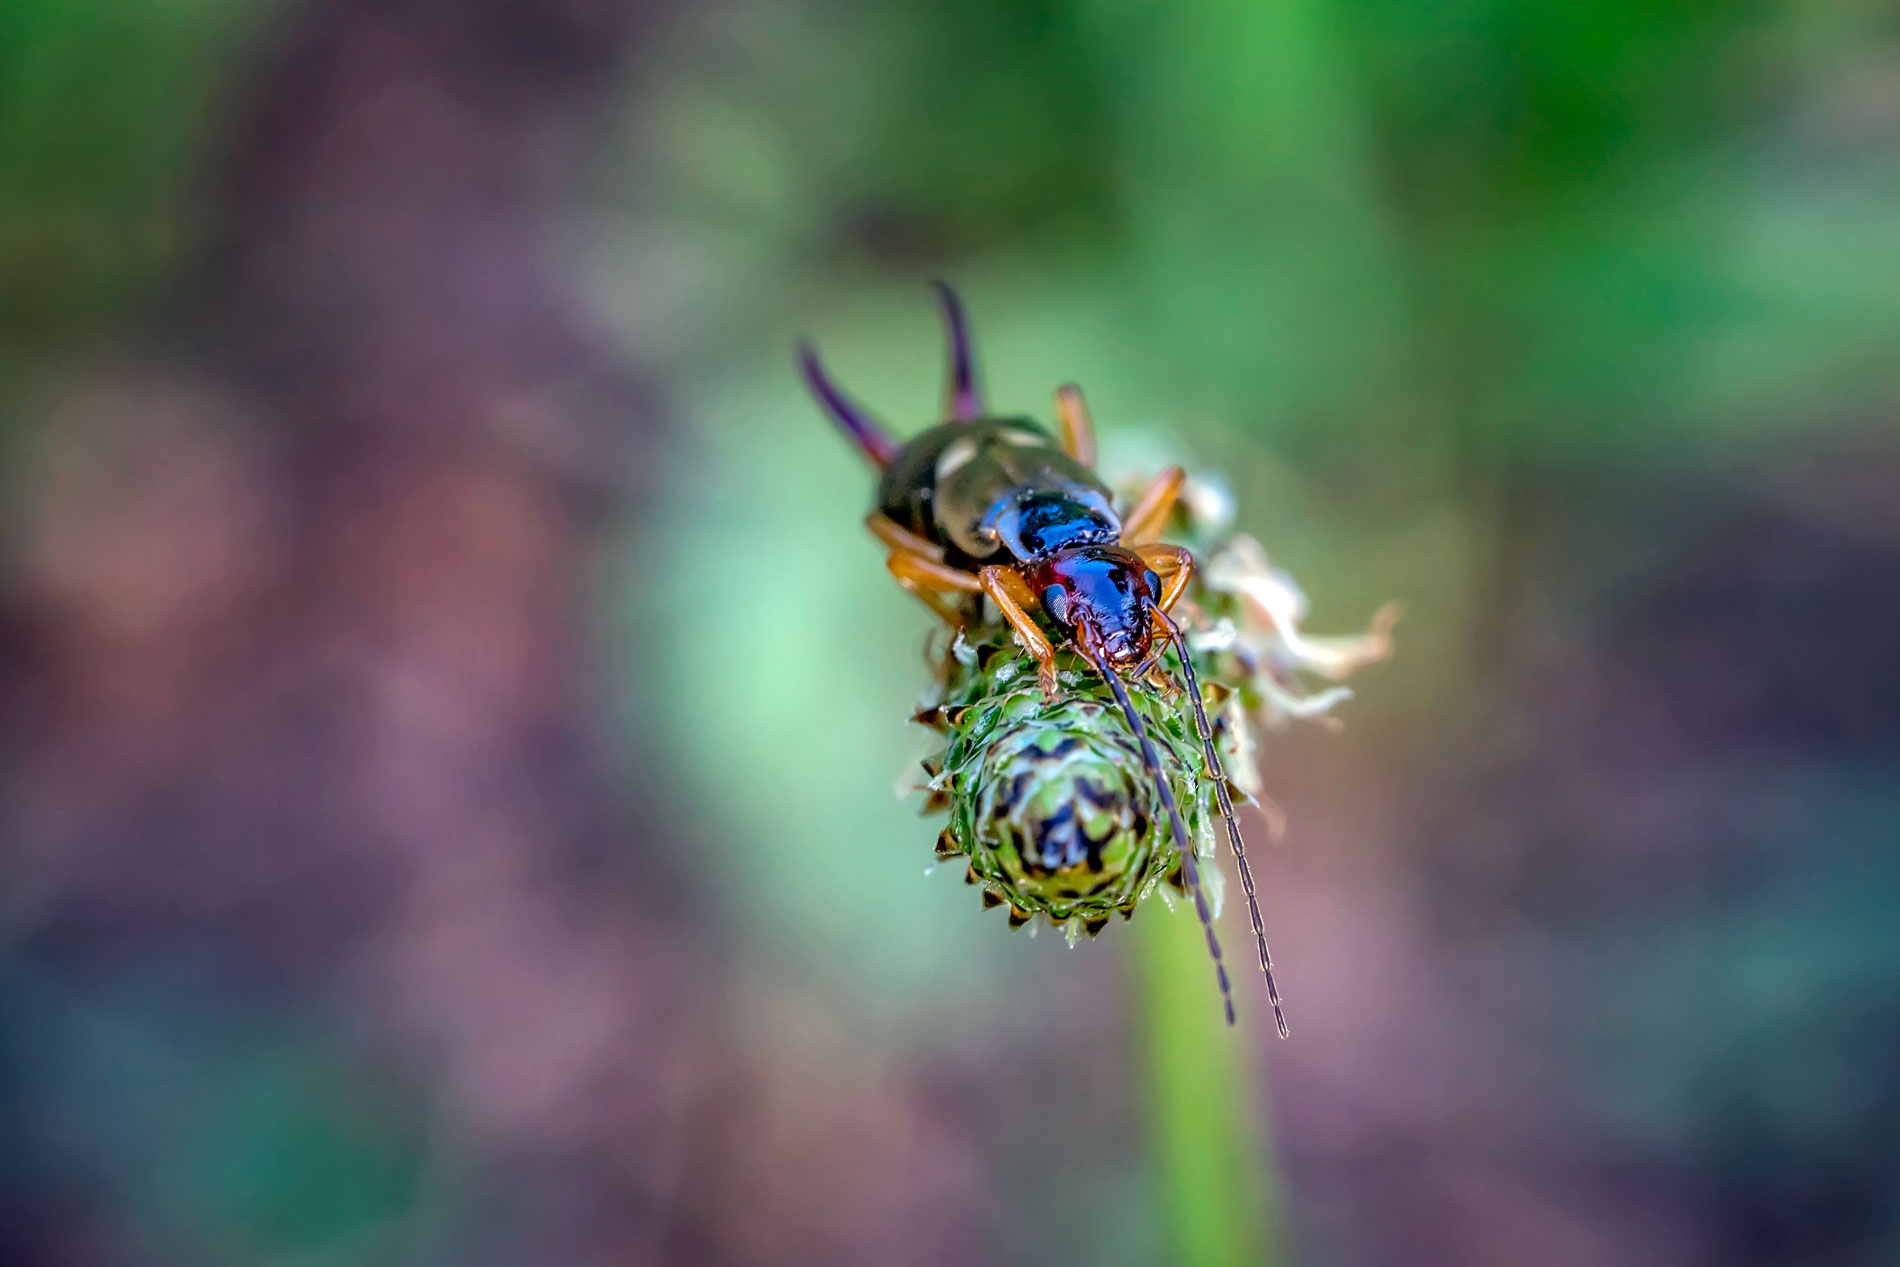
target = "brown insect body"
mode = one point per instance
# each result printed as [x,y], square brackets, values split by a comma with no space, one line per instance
[998,492]
[998,508]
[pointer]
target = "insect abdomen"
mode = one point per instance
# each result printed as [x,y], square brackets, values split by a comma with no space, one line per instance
[945,481]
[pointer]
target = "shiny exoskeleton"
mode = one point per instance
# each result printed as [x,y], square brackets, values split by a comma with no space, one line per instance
[999,493]
[1000,508]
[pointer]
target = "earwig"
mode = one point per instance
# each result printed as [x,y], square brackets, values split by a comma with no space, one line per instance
[984,507]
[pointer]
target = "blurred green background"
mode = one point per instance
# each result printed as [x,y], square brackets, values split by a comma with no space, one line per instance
[452,710]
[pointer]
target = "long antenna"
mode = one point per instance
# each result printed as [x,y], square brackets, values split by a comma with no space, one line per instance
[1227,813]
[864,431]
[1186,850]
[961,396]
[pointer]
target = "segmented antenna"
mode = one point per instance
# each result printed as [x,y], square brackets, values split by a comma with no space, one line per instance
[1227,814]
[1188,868]
[864,431]
[961,397]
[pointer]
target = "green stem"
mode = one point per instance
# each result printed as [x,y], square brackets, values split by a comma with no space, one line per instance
[1208,1151]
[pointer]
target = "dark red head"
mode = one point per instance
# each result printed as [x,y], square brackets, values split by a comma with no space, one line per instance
[1103,597]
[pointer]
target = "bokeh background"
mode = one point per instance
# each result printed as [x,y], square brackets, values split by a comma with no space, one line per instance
[449,712]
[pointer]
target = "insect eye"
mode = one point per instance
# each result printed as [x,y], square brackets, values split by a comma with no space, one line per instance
[1055,601]
[1153,579]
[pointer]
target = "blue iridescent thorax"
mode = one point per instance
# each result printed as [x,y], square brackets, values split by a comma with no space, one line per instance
[1034,523]
[994,491]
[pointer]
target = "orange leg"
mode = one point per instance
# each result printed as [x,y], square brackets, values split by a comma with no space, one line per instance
[901,539]
[1174,565]
[1144,523]
[1078,432]
[1013,598]
[930,581]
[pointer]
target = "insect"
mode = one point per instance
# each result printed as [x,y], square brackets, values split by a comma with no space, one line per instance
[980,506]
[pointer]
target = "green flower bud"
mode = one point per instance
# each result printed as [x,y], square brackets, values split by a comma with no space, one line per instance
[1050,799]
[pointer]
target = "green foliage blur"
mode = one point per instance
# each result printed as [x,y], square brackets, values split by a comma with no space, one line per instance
[1369,261]
[1390,268]
[111,118]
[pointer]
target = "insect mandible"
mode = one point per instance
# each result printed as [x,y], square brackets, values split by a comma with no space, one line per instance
[997,507]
